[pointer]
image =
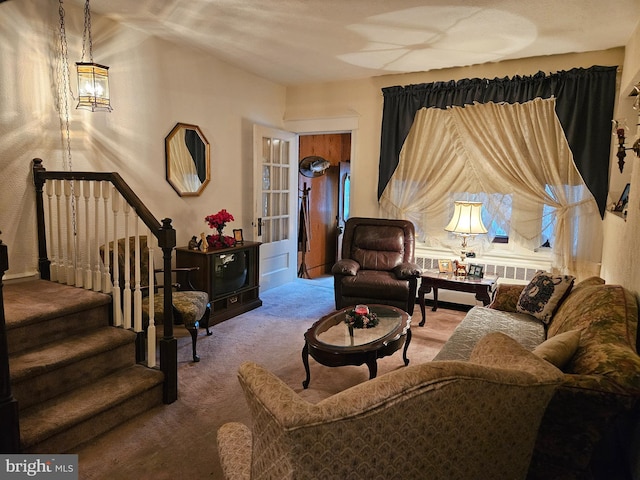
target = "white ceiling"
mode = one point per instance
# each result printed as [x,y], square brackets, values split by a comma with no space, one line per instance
[303,41]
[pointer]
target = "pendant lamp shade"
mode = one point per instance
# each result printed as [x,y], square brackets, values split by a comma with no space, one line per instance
[93,87]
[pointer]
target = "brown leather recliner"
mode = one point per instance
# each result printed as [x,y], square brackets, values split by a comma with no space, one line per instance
[377,264]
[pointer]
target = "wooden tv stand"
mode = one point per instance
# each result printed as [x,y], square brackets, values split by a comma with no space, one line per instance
[226,301]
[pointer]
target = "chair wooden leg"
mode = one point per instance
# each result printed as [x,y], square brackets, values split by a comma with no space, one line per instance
[194,339]
[205,319]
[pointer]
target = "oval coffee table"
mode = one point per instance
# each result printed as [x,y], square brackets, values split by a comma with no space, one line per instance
[328,341]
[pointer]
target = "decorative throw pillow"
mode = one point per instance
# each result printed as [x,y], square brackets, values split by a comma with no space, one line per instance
[506,297]
[543,294]
[559,349]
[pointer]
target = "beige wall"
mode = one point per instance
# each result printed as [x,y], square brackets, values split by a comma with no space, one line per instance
[364,98]
[154,85]
[621,254]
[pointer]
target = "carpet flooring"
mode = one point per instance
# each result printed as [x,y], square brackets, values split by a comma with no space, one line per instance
[179,440]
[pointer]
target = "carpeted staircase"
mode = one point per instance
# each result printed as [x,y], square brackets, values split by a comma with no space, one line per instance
[73,375]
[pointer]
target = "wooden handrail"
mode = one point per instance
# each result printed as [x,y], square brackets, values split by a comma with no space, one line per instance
[163,231]
[40,175]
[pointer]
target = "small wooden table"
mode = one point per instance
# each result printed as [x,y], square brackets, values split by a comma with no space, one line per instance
[482,287]
[330,343]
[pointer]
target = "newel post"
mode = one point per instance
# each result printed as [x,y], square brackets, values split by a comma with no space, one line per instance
[44,264]
[168,343]
[10,431]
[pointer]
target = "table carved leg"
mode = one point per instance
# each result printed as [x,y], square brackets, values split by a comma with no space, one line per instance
[305,361]
[372,363]
[435,299]
[422,291]
[482,295]
[406,346]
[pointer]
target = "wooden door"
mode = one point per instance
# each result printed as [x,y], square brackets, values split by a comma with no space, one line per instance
[323,200]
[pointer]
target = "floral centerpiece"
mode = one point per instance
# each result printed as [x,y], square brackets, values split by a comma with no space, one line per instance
[360,317]
[219,221]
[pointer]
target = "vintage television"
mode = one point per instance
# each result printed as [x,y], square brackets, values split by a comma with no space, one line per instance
[229,275]
[230,272]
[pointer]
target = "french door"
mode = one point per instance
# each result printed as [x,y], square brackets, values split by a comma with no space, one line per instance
[275,161]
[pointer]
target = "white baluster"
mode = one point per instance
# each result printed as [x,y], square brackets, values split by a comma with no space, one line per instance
[106,277]
[62,263]
[126,208]
[49,187]
[77,254]
[137,292]
[70,271]
[88,277]
[97,279]
[151,329]
[117,305]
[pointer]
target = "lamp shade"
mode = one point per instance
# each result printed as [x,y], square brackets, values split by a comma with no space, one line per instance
[467,219]
[93,86]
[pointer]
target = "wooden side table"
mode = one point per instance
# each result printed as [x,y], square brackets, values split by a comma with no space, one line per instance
[482,287]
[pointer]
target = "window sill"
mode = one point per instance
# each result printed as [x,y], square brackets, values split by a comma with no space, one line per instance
[501,254]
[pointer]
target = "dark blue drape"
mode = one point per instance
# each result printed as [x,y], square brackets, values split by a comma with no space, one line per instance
[584,105]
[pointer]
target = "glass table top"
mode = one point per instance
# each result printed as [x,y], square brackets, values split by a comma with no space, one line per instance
[334,332]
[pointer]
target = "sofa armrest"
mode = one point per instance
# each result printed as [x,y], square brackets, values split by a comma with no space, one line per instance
[506,297]
[346,266]
[407,270]
[234,449]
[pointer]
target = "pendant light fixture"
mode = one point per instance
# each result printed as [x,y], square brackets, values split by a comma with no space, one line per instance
[93,78]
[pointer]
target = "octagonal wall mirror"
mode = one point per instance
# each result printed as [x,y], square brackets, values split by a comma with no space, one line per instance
[188,159]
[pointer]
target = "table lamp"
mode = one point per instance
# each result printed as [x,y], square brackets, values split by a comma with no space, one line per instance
[466,222]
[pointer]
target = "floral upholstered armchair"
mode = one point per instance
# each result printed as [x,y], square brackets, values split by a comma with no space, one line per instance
[191,308]
[438,420]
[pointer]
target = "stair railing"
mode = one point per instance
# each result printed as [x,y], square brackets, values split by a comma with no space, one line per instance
[87,211]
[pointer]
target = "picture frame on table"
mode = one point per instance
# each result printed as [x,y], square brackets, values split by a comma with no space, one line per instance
[237,236]
[445,266]
[476,271]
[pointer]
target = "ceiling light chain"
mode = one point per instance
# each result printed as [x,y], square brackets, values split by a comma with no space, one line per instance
[64,90]
[64,87]
[87,32]
[93,79]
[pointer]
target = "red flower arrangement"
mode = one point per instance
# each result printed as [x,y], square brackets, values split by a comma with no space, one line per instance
[219,221]
[360,317]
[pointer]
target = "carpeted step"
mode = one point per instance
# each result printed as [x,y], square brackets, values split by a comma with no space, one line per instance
[40,311]
[47,371]
[62,424]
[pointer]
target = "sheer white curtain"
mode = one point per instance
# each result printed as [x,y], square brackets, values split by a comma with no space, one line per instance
[501,154]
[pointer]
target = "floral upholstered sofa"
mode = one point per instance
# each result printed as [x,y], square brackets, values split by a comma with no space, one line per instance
[437,420]
[590,333]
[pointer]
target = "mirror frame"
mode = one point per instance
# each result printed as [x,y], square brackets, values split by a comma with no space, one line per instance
[167,141]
